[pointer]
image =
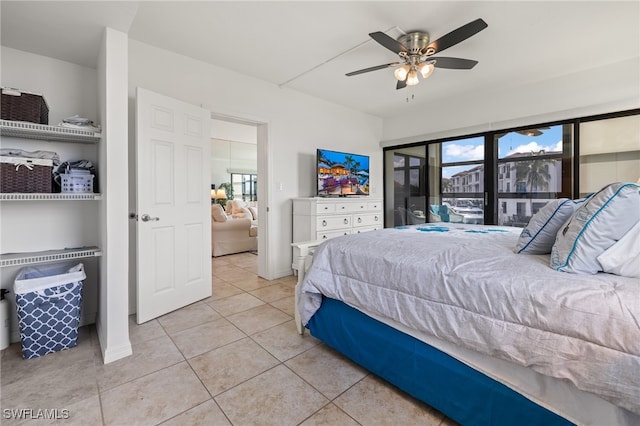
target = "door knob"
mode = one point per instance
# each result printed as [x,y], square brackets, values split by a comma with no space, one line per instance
[147,218]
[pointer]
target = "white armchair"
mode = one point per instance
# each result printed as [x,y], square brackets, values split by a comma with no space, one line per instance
[230,236]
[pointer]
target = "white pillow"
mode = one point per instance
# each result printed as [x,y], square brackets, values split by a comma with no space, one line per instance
[217,213]
[599,222]
[623,258]
[254,212]
[540,233]
[242,213]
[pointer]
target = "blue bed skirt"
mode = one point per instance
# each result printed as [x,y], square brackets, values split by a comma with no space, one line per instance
[428,374]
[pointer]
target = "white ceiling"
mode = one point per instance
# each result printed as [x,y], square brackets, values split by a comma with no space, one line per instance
[309,46]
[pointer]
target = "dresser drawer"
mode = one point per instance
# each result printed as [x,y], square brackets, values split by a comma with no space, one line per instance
[351,207]
[325,208]
[367,219]
[366,229]
[374,205]
[333,222]
[332,234]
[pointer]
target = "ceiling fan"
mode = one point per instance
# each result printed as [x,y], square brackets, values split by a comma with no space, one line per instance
[416,52]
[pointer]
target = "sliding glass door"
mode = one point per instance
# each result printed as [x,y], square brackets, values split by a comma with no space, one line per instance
[405,196]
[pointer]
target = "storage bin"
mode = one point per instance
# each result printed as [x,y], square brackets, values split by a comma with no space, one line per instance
[20,174]
[76,182]
[18,105]
[48,301]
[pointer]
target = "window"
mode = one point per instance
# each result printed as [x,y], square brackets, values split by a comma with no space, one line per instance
[537,157]
[245,185]
[609,152]
[462,168]
[505,176]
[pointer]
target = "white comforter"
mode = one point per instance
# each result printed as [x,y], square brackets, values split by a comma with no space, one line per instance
[465,285]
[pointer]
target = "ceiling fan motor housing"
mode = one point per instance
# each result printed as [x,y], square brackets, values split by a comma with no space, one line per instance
[416,41]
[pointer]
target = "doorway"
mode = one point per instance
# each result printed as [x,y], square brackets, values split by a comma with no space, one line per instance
[244,152]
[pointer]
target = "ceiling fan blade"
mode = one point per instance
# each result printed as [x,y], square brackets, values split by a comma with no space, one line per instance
[455,36]
[401,84]
[377,67]
[453,63]
[390,43]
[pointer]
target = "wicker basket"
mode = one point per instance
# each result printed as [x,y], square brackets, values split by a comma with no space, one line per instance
[25,175]
[23,106]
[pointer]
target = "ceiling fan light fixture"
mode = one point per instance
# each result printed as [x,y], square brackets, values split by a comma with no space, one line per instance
[426,69]
[412,77]
[401,73]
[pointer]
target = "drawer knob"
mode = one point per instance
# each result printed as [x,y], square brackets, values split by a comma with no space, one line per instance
[324,223]
[359,220]
[376,218]
[342,207]
[346,221]
[324,237]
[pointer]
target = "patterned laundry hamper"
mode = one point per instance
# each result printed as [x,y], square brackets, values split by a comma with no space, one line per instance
[48,301]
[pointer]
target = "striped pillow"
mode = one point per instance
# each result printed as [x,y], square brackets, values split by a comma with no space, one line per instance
[598,224]
[540,233]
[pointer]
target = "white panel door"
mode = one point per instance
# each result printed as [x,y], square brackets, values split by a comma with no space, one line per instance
[173,227]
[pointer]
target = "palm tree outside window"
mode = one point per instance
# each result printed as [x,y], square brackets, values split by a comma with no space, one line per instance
[535,170]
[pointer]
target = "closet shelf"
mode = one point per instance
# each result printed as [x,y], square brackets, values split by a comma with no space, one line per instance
[43,132]
[16,196]
[29,258]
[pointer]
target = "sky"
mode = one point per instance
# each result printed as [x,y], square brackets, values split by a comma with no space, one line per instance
[473,148]
[339,157]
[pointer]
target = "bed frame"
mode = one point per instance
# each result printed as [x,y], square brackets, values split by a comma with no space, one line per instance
[430,375]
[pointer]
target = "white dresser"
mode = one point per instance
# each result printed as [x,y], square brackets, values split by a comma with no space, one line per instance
[317,219]
[324,218]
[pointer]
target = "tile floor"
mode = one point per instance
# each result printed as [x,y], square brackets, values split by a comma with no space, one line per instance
[232,359]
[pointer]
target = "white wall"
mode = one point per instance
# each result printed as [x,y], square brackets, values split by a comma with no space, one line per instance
[231,131]
[113,320]
[602,89]
[297,125]
[239,157]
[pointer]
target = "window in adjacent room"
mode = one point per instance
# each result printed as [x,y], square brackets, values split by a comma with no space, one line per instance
[245,185]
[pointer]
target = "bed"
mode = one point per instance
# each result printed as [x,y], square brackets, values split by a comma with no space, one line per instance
[452,315]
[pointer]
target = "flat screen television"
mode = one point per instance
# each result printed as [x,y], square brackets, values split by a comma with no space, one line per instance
[341,174]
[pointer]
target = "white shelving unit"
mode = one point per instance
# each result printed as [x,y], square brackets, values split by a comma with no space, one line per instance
[42,132]
[21,259]
[15,196]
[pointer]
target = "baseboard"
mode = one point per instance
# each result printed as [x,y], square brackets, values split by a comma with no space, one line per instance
[112,353]
[282,274]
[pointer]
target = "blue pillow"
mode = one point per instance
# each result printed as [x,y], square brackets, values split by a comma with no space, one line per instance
[596,225]
[540,233]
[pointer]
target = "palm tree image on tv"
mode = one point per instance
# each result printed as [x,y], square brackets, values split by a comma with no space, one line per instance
[342,174]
